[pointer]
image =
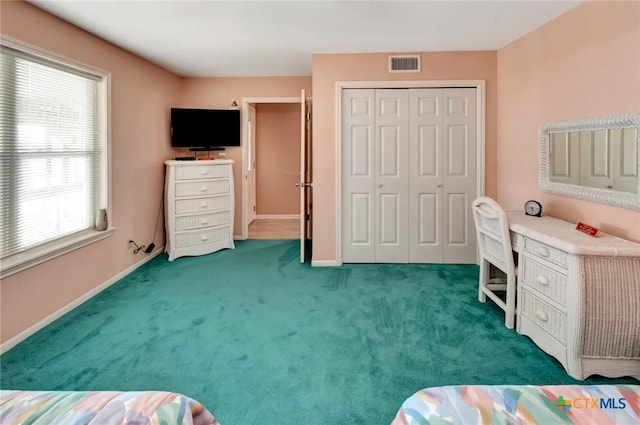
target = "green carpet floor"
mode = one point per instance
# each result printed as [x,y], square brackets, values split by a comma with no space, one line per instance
[259,338]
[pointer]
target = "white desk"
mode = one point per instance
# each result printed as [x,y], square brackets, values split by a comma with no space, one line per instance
[578,296]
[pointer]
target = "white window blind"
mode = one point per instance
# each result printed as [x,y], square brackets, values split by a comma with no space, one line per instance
[52,151]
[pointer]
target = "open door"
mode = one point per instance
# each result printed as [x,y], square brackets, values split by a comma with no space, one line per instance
[302,184]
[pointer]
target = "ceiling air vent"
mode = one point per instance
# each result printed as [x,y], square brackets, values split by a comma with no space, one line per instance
[404,63]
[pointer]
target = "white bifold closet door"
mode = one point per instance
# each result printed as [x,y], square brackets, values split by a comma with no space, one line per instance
[408,175]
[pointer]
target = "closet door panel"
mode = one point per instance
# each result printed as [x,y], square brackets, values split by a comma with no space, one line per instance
[361,219]
[459,175]
[425,175]
[391,176]
[389,210]
[357,168]
[428,232]
[457,225]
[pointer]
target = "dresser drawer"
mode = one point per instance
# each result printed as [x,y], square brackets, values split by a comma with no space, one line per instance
[201,172]
[220,234]
[201,221]
[210,187]
[546,252]
[547,317]
[543,279]
[185,206]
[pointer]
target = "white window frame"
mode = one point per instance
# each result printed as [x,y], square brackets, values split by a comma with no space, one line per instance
[31,257]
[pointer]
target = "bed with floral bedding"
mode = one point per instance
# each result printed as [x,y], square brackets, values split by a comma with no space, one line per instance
[101,408]
[522,404]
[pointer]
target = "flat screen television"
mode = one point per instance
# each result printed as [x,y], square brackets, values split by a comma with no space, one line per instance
[205,128]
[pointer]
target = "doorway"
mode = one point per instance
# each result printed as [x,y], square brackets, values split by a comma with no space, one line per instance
[275,183]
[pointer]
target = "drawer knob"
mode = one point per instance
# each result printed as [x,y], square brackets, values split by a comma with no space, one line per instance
[543,251]
[204,172]
[203,189]
[204,205]
[542,315]
[543,280]
[204,222]
[204,238]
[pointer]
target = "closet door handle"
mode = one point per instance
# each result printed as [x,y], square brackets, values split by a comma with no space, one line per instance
[380,185]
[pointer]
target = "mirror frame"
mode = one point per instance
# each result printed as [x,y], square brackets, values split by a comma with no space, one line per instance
[604,196]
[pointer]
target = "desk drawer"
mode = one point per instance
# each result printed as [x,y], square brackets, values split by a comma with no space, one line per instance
[192,172]
[543,279]
[202,188]
[547,317]
[543,251]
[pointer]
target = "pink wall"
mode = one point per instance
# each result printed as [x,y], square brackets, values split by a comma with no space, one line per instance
[141,96]
[329,69]
[219,92]
[277,158]
[586,63]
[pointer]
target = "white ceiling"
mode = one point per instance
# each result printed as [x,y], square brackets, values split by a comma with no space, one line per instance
[277,38]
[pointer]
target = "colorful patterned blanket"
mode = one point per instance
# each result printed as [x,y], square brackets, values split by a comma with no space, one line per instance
[101,408]
[522,404]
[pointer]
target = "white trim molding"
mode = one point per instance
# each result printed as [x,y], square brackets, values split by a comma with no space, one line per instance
[325,263]
[602,195]
[12,342]
[278,217]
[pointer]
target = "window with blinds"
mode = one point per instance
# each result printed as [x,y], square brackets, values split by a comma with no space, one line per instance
[53,154]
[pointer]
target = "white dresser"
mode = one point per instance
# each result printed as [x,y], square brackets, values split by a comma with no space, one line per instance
[578,296]
[198,207]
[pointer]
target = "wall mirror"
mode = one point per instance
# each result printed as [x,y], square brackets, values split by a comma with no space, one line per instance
[596,159]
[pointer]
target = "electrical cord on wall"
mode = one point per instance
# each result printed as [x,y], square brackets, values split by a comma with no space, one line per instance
[152,245]
[138,247]
[148,249]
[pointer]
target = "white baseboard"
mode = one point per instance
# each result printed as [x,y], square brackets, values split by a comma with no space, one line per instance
[278,217]
[325,263]
[9,344]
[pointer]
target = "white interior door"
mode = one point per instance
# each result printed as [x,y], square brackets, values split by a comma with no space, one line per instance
[595,159]
[251,165]
[408,175]
[425,180]
[391,176]
[459,179]
[303,184]
[625,159]
[357,170]
[565,151]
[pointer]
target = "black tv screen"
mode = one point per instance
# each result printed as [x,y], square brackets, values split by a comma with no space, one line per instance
[205,128]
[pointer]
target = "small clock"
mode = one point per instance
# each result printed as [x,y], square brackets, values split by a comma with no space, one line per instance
[533,208]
